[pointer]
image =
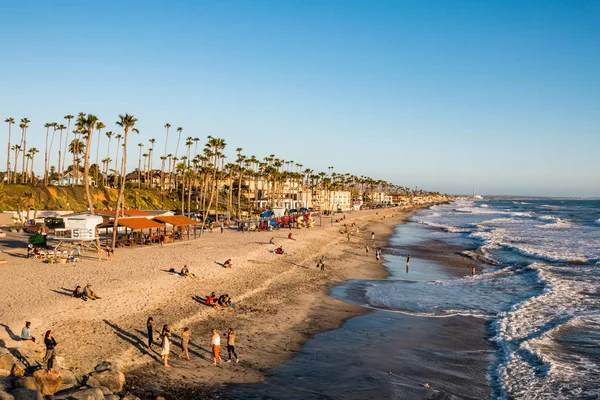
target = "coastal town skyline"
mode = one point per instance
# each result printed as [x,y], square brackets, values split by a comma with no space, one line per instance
[396,91]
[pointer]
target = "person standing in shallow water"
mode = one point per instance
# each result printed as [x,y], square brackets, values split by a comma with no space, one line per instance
[150,328]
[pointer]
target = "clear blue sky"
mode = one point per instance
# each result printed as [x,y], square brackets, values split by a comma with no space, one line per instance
[501,96]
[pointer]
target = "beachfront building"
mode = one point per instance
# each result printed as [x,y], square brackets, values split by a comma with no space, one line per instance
[381,198]
[331,200]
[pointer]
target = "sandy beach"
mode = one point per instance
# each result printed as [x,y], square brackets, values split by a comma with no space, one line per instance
[280,301]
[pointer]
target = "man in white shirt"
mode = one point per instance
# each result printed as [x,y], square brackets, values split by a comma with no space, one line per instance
[25,333]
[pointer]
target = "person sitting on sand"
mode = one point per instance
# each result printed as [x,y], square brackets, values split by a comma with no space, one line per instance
[89,293]
[224,300]
[25,333]
[185,271]
[78,293]
[272,241]
[212,300]
[290,236]
[279,250]
[228,264]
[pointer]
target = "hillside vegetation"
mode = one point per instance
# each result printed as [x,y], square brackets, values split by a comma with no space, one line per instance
[40,197]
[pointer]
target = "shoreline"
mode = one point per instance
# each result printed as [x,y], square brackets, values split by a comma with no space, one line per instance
[382,354]
[326,313]
[281,302]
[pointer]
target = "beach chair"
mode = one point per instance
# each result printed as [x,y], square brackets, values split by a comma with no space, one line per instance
[50,253]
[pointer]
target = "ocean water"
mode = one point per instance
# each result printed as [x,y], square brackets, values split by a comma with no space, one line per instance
[540,290]
[526,326]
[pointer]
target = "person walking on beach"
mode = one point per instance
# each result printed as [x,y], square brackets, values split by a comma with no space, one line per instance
[367,249]
[185,340]
[372,235]
[166,345]
[215,342]
[50,344]
[408,261]
[231,346]
[25,333]
[378,253]
[150,329]
[222,227]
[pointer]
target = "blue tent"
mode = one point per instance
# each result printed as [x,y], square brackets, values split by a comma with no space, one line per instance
[267,214]
[303,210]
[293,211]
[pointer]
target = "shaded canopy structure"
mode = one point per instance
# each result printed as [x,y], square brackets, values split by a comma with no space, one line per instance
[179,223]
[137,227]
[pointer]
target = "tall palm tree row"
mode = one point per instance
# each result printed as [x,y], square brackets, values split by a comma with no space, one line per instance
[203,177]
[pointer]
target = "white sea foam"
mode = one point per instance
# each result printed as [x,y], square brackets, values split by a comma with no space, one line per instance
[598,221]
[557,241]
[526,335]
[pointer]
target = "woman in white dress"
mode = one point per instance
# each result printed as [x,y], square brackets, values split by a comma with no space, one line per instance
[166,345]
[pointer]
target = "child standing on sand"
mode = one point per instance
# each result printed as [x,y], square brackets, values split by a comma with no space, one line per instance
[367,249]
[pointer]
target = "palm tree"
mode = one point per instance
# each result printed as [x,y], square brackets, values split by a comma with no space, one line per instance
[162,168]
[77,148]
[31,155]
[61,128]
[215,145]
[99,127]
[109,135]
[54,129]
[86,123]
[179,131]
[150,154]
[17,149]
[196,140]
[126,122]
[119,137]
[68,117]
[24,126]
[162,172]
[47,125]
[239,160]
[189,141]
[10,121]
[140,165]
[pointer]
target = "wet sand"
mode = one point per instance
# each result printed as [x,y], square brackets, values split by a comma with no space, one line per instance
[390,355]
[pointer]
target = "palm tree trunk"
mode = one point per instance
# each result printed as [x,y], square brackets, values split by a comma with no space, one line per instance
[24,150]
[86,171]
[8,156]
[120,198]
